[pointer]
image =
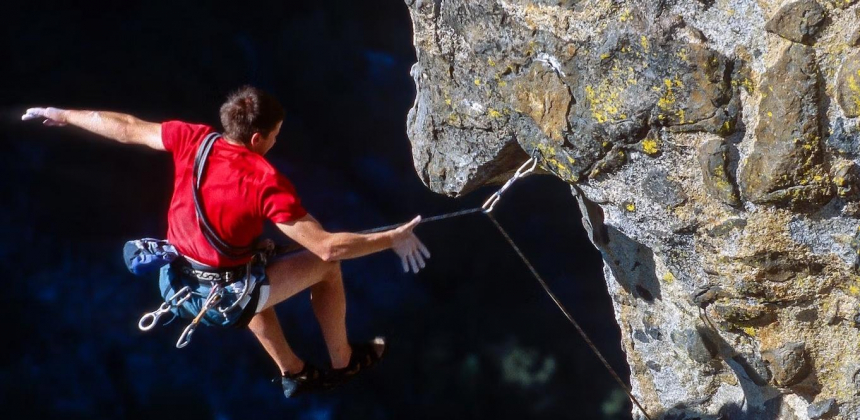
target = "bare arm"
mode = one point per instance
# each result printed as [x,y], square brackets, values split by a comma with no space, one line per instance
[329,246]
[120,127]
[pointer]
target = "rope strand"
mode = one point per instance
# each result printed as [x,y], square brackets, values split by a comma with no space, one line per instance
[427,220]
[567,314]
[487,209]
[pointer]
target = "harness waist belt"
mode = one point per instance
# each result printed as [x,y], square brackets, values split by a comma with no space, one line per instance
[205,276]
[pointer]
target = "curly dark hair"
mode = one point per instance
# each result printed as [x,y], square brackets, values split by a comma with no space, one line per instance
[249,110]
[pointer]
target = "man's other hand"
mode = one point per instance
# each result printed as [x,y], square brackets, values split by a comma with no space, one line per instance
[52,116]
[408,247]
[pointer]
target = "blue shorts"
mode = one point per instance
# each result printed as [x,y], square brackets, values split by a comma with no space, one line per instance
[172,279]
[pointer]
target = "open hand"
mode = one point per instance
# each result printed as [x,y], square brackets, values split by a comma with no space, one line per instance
[408,247]
[51,116]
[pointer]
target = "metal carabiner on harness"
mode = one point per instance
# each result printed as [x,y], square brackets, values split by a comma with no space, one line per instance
[148,321]
[244,293]
[214,296]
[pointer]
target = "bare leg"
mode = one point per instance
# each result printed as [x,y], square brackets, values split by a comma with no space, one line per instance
[267,329]
[288,277]
[329,303]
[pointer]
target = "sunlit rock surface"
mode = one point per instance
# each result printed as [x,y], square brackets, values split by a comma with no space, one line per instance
[713,146]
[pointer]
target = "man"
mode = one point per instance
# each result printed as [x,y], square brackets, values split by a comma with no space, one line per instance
[239,191]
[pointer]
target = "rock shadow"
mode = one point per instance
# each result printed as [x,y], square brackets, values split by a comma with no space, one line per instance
[631,263]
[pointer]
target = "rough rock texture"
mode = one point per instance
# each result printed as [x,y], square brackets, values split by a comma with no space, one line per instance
[786,162]
[713,147]
[848,86]
[798,21]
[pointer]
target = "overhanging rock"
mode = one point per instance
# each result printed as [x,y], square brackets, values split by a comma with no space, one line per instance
[713,147]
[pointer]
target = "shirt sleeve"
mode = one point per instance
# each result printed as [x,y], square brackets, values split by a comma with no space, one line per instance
[177,135]
[281,204]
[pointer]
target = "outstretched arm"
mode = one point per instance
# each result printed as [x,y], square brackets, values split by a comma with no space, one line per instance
[123,128]
[308,232]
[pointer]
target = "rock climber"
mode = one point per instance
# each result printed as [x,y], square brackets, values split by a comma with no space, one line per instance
[239,191]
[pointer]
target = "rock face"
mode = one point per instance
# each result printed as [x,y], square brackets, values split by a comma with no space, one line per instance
[797,21]
[848,86]
[785,165]
[714,151]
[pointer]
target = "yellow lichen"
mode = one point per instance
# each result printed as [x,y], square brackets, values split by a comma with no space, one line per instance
[549,158]
[630,207]
[855,87]
[668,277]
[493,113]
[477,82]
[490,62]
[650,146]
[644,42]
[750,331]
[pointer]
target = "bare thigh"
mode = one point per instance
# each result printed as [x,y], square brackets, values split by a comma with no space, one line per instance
[290,275]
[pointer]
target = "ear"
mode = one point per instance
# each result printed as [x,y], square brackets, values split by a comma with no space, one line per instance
[256,138]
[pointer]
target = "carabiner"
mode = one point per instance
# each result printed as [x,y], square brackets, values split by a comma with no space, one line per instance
[185,338]
[148,321]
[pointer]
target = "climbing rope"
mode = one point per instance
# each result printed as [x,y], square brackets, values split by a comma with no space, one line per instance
[487,208]
[567,314]
[427,220]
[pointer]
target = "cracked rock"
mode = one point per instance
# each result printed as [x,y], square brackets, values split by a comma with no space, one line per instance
[789,364]
[848,86]
[822,409]
[713,158]
[785,166]
[798,21]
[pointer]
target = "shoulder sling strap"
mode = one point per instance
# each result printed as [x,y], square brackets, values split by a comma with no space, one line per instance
[220,245]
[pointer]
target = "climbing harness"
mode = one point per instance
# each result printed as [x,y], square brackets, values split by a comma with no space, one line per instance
[222,283]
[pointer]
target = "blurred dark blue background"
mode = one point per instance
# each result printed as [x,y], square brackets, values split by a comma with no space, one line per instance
[472,336]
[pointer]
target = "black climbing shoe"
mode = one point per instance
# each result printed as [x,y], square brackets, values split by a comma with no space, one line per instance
[364,356]
[309,379]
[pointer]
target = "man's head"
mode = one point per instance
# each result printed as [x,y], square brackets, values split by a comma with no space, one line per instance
[252,117]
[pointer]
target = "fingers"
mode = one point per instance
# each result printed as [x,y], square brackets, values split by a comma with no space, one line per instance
[419,259]
[33,113]
[404,263]
[413,263]
[423,248]
[413,256]
[51,116]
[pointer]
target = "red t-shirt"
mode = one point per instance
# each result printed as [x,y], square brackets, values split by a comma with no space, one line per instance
[240,190]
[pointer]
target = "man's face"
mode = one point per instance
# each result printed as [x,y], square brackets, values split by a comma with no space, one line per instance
[262,144]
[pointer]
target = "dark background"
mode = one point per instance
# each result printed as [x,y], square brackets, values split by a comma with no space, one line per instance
[472,336]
